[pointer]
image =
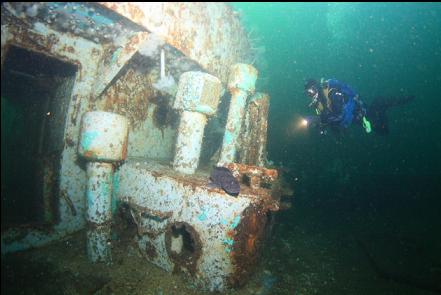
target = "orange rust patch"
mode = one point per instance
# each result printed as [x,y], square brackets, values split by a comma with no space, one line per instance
[251,244]
[89,154]
[248,242]
[130,96]
[124,147]
[128,10]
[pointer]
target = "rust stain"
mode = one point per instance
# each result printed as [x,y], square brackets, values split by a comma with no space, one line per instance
[251,171]
[70,142]
[126,9]
[70,49]
[209,33]
[90,154]
[150,212]
[150,251]
[95,52]
[251,244]
[129,96]
[248,242]
[124,147]
[252,151]
[191,250]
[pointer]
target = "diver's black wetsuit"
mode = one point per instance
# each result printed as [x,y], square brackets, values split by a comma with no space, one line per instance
[376,112]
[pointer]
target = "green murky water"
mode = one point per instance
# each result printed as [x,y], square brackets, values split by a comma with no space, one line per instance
[364,217]
[366,210]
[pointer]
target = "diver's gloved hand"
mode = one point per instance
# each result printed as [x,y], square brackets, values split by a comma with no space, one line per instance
[313,121]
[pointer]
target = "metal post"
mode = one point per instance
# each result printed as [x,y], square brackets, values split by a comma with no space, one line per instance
[241,83]
[197,97]
[103,141]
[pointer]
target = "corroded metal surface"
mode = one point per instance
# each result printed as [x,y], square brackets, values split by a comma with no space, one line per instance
[241,83]
[254,131]
[189,142]
[149,141]
[87,20]
[103,137]
[184,246]
[197,97]
[130,96]
[249,238]
[99,192]
[257,178]
[39,37]
[115,57]
[152,120]
[186,225]
[40,33]
[209,33]
[98,243]
[99,210]
[182,223]
[242,77]
[198,92]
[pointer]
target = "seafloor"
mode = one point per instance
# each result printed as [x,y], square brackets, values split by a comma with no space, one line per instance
[325,247]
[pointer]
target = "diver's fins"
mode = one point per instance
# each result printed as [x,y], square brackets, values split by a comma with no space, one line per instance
[377,112]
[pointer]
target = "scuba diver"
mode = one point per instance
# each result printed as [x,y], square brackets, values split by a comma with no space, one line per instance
[338,106]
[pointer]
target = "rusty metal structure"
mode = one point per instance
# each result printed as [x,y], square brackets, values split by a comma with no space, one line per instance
[103,142]
[111,125]
[254,128]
